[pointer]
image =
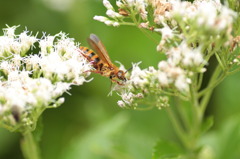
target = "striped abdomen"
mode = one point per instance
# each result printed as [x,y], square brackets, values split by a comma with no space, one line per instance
[92,57]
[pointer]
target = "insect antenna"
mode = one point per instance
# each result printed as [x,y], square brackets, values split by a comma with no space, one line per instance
[128,69]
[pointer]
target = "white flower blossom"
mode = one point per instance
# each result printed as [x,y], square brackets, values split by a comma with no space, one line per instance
[119,3]
[120,103]
[32,83]
[210,13]
[100,18]
[115,24]
[107,4]
[46,44]
[182,83]
[113,14]
[166,31]
[185,55]
[163,79]
[145,80]
[26,40]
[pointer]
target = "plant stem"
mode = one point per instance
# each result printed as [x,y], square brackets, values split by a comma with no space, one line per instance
[177,126]
[127,23]
[183,114]
[190,135]
[194,131]
[137,22]
[29,146]
[214,81]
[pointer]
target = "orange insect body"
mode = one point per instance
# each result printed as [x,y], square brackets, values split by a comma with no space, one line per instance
[101,61]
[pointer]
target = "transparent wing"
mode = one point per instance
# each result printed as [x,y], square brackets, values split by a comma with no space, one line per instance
[100,49]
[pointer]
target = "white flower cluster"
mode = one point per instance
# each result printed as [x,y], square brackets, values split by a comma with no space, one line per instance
[111,13]
[186,57]
[202,21]
[190,32]
[153,83]
[31,82]
[210,13]
[207,13]
[175,20]
[17,44]
[173,76]
[117,17]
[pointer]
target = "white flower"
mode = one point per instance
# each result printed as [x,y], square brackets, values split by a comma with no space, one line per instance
[115,24]
[130,3]
[209,13]
[121,103]
[53,64]
[46,43]
[167,32]
[163,79]
[61,87]
[163,65]
[138,77]
[6,67]
[15,44]
[32,83]
[141,7]
[100,18]
[17,60]
[182,83]
[32,62]
[128,97]
[59,102]
[113,14]
[107,4]
[10,31]
[26,41]
[108,22]
[182,54]
[198,58]
[119,4]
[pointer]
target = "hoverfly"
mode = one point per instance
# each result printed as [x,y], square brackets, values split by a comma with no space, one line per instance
[101,61]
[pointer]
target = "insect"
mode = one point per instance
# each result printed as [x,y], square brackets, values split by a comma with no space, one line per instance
[101,61]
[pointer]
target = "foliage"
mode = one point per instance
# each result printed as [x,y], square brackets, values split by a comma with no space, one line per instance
[200,45]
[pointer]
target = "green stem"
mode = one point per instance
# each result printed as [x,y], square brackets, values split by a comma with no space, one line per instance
[200,79]
[29,146]
[183,114]
[127,23]
[211,85]
[137,22]
[195,102]
[177,126]
[234,71]
[219,60]
[194,131]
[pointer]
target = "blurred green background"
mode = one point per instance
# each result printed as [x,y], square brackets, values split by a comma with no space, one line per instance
[89,124]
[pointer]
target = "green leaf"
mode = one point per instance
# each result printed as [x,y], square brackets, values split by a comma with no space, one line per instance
[224,142]
[207,124]
[166,150]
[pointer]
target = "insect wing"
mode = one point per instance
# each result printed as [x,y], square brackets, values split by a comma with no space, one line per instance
[100,49]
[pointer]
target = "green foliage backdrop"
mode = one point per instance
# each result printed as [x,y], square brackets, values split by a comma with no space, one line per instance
[90,125]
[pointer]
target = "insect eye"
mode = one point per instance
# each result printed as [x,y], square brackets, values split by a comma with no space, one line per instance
[119,74]
[112,76]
